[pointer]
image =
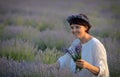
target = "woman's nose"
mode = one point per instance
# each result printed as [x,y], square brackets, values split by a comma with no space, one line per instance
[74,29]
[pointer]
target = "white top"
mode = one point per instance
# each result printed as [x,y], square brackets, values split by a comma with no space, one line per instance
[93,52]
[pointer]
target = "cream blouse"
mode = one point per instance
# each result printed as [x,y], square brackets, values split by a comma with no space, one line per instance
[93,52]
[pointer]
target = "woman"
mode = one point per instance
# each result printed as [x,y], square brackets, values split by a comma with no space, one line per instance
[94,58]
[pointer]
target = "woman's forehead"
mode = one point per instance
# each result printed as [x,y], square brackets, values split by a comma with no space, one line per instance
[73,25]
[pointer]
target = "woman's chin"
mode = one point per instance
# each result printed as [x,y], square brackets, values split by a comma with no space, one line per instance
[77,36]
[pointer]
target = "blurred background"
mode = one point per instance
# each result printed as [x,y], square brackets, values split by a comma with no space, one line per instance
[32,33]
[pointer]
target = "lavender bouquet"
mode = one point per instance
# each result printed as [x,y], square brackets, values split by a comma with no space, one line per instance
[75,53]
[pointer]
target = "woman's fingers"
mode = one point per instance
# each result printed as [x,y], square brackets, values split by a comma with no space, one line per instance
[80,63]
[80,60]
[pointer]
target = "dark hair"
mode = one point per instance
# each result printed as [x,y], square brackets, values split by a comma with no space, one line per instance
[80,19]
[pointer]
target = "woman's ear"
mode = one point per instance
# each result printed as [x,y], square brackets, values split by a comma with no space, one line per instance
[86,28]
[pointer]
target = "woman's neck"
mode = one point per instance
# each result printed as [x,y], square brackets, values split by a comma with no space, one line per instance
[85,38]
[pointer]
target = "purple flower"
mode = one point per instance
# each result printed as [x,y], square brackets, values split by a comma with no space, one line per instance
[75,53]
[71,53]
[78,48]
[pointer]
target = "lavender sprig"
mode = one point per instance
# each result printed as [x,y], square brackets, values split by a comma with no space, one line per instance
[69,52]
[78,50]
[75,53]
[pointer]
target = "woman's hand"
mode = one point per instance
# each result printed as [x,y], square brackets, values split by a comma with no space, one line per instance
[84,64]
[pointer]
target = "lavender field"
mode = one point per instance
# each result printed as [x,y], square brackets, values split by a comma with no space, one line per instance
[33,32]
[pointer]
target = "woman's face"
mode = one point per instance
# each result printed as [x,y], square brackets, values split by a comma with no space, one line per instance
[78,30]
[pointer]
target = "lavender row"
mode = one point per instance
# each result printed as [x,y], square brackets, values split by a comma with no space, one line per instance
[11,68]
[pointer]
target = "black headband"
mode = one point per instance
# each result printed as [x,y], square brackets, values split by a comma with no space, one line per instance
[79,17]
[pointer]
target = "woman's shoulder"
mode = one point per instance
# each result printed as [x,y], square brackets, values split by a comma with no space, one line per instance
[75,42]
[96,42]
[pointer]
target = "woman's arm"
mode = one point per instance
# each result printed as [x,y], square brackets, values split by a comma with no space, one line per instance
[99,66]
[83,64]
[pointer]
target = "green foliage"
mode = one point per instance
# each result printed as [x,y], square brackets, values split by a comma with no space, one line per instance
[41,44]
[8,22]
[43,26]
[20,21]
[56,39]
[49,56]
[114,73]
[17,50]
[57,43]
[102,34]
[117,35]
[1,30]
[115,8]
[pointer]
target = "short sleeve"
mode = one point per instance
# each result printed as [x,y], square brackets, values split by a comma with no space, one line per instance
[99,58]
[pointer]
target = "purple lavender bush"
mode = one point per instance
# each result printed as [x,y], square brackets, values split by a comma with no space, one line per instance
[48,56]
[45,39]
[113,55]
[55,39]
[11,68]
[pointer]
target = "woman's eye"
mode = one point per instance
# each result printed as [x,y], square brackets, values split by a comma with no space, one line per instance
[71,27]
[77,27]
